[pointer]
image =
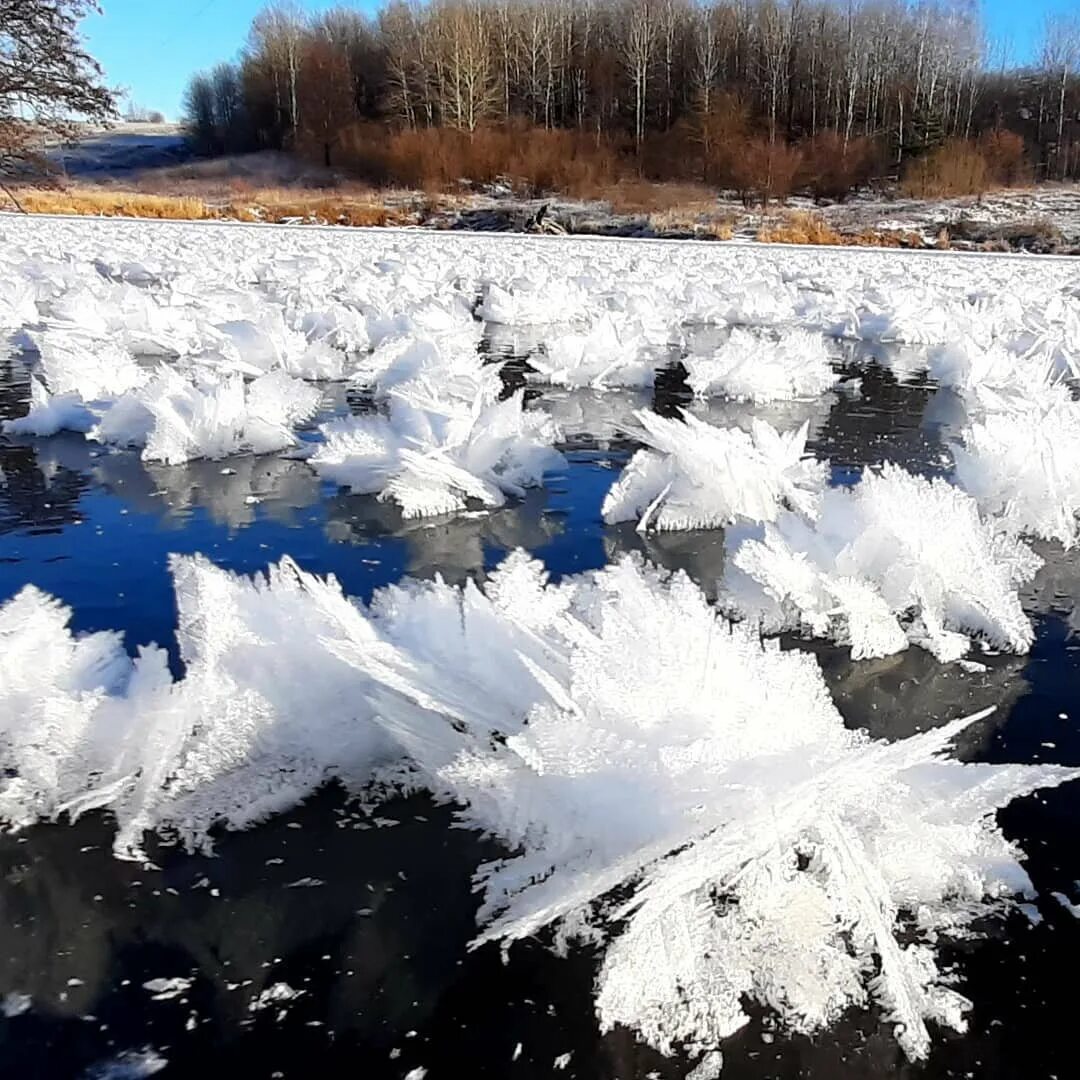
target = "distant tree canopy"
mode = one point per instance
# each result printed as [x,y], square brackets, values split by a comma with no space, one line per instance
[672,80]
[47,79]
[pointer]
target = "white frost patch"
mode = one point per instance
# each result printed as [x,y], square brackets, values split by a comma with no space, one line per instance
[129,1065]
[15,1004]
[167,989]
[1067,904]
[894,560]
[696,476]
[755,367]
[433,454]
[708,1068]
[280,993]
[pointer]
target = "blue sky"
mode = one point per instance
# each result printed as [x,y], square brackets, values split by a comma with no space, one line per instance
[152,47]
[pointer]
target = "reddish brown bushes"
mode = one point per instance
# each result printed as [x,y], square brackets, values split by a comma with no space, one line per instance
[968,167]
[438,159]
[833,168]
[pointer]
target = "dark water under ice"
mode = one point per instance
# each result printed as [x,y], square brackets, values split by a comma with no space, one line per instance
[371,916]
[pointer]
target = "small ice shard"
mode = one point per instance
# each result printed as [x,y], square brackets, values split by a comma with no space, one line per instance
[1067,904]
[14,1004]
[279,993]
[167,989]
[708,1068]
[129,1065]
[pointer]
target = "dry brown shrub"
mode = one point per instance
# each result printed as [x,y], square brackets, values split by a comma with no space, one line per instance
[832,170]
[533,160]
[645,197]
[765,170]
[313,207]
[1006,157]
[698,219]
[800,228]
[956,168]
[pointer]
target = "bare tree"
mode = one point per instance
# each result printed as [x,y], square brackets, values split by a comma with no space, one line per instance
[1060,60]
[638,46]
[47,79]
[325,94]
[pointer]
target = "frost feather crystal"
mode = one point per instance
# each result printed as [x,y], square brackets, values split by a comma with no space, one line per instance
[672,787]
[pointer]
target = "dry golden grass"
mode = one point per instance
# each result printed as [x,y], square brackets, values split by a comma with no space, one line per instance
[311,207]
[271,205]
[801,227]
[107,203]
[700,219]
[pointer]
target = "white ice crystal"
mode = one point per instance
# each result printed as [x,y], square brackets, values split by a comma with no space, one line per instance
[670,788]
[95,368]
[751,366]
[253,727]
[696,476]
[1022,465]
[432,454]
[896,559]
[454,367]
[175,418]
[50,414]
[610,353]
[703,813]
[1018,452]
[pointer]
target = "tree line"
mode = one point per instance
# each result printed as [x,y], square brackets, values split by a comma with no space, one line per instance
[677,88]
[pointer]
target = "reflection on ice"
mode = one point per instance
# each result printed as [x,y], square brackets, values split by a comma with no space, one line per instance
[454,547]
[593,419]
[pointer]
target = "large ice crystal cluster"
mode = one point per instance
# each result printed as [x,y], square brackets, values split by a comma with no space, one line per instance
[176,419]
[671,789]
[893,560]
[432,454]
[695,476]
[754,367]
